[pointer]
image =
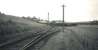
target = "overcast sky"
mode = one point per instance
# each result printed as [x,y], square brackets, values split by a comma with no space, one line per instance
[75,10]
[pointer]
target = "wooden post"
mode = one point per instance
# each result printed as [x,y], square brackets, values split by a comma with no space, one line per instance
[63,6]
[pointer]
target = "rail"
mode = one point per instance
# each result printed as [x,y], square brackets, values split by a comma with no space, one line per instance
[40,38]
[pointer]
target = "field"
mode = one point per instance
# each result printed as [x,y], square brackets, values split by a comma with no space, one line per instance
[17,32]
[14,28]
[81,37]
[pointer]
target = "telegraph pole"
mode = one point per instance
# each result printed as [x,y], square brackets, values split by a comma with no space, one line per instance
[48,18]
[63,6]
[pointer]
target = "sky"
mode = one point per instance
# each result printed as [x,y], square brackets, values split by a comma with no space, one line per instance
[75,10]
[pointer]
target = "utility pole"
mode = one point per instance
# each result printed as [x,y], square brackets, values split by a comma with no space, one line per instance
[63,6]
[48,18]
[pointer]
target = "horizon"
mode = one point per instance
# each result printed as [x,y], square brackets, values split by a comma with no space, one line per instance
[75,10]
[50,20]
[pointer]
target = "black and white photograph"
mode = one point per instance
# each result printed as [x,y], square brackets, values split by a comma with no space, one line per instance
[48,24]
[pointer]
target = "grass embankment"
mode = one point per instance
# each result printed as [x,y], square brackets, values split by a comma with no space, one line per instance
[12,26]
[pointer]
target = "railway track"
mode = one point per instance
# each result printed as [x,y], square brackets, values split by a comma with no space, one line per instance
[22,37]
[76,37]
[73,33]
[82,43]
[40,37]
[50,32]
